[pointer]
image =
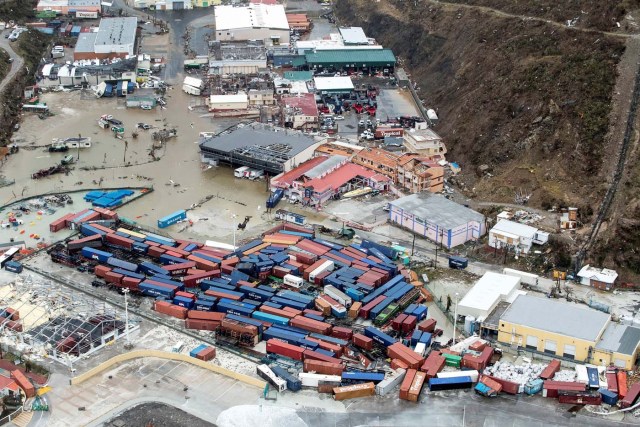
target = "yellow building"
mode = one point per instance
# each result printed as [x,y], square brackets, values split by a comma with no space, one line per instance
[568,331]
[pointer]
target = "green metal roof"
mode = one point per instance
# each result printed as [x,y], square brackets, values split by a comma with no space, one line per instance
[301,76]
[349,56]
[298,61]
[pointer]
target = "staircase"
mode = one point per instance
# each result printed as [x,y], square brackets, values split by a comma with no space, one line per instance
[23,419]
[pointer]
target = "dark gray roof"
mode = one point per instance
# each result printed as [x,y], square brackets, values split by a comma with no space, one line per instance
[437,209]
[623,339]
[285,142]
[86,42]
[571,320]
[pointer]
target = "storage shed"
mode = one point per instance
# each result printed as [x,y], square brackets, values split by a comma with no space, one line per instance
[485,295]
[353,59]
[238,101]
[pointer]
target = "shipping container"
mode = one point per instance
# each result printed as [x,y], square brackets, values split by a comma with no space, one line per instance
[551,388]
[390,382]
[440,384]
[550,370]
[579,398]
[534,386]
[265,372]
[594,382]
[608,397]
[406,383]
[125,265]
[363,342]
[474,375]
[354,391]
[13,266]
[353,376]
[631,396]
[320,367]
[171,219]
[293,383]
[95,254]
[311,380]
[612,381]
[284,349]
[293,281]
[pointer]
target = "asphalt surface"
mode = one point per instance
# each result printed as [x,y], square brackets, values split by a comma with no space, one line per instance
[17,61]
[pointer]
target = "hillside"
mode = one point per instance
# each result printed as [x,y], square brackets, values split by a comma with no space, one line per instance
[528,99]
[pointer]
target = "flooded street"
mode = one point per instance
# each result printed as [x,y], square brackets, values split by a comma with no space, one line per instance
[177,178]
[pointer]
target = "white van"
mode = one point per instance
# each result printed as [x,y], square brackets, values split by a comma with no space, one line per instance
[256,174]
[240,172]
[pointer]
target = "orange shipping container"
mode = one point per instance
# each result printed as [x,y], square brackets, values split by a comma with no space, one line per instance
[416,386]
[406,384]
[354,391]
[354,309]
[321,367]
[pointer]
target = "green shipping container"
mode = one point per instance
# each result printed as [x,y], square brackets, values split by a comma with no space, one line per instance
[452,360]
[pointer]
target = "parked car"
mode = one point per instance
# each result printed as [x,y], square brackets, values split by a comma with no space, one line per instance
[146,107]
[114,121]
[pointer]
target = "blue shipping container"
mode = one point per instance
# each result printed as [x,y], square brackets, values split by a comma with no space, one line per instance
[198,349]
[119,263]
[91,253]
[375,377]
[173,218]
[379,336]
[13,266]
[276,320]
[293,383]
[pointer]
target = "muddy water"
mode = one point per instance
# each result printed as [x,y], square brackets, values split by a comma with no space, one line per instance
[77,113]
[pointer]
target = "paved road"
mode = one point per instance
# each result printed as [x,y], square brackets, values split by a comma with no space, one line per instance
[15,66]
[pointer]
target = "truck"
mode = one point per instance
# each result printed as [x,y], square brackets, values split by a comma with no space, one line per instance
[240,172]
[293,281]
[458,262]
[191,90]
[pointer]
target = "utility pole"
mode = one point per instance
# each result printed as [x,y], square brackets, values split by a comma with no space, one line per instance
[234,216]
[413,246]
[79,139]
[126,291]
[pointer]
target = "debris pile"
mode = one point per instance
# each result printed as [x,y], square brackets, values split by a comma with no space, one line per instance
[520,374]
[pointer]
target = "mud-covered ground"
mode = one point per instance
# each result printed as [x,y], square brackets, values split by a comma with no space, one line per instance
[156,414]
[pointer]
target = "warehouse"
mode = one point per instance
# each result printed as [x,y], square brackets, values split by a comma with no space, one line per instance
[253,22]
[115,38]
[238,101]
[491,289]
[273,150]
[506,234]
[437,218]
[333,85]
[71,7]
[368,60]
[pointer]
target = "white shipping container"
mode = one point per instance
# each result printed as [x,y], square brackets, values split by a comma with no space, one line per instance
[528,278]
[293,281]
[267,374]
[326,266]
[191,90]
[311,380]
[192,81]
[420,348]
[456,374]
[390,382]
[338,295]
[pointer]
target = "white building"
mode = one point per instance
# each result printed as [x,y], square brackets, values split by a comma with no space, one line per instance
[239,101]
[115,38]
[513,234]
[253,22]
[600,278]
[331,85]
[491,289]
[163,4]
[424,141]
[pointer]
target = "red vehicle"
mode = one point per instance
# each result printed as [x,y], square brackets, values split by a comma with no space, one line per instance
[324,109]
[358,108]
[371,110]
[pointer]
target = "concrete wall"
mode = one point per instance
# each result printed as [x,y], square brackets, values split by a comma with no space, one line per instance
[601,357]
[136,354]
[253,34]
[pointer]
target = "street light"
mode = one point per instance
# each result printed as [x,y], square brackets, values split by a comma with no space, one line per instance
[455,318]
[234,216]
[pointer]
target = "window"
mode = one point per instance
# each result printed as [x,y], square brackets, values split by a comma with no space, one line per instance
[550,347]
[569,351]
[532,342]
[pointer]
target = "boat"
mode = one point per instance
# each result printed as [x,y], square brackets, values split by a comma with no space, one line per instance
[357,193]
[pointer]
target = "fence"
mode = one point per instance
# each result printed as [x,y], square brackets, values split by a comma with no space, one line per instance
[136,354]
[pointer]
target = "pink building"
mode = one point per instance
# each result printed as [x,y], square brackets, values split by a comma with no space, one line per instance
[437,218]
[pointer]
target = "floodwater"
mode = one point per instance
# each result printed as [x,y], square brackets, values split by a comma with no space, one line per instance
[177,178]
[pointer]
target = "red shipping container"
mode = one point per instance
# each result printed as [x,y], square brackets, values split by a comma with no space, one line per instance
[154,244]
[219,294]
[478,345]
[207,354]
[398,364]
[304,258]
[311,325]
[316,312]
[416,386]
[15,326]
[123,242]
[631,396]
[24,383]
[170,309]
[231,261]
[179,269]
[550,370]
[365,310]
[406,384]
[111,277]
[60,223]
[131,283]
[410,357]
[428,325]
[171,253]
[193,280]
[192,271]
[363,342]
[310,354]
[433,364]
[202,325]
[101,270]
[396,324]
[277,312]
[342,333]
[292,311]
[202,263]
[612,381]
[186,295]
[321,367]
[551,388]
[106,213]
[579,398]
[12,314]
[155,252]
[280,272]
[227,269]
[409,324]
[327,346]
[93,216]
[284,349]
[239,327]
[206,315]
[319,279]
[181,253]
[508,387]
[245,283]
[492,384]
[103,228]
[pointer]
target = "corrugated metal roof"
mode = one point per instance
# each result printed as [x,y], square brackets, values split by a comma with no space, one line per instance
[353,35]
[436,209]
[521,230]
[620,338]
[339,177]
[364,56]
[301,76]
[571,320]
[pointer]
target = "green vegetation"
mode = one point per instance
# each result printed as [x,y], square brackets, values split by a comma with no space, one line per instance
[19,11]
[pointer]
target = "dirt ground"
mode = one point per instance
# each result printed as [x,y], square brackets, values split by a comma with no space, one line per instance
[157,414]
